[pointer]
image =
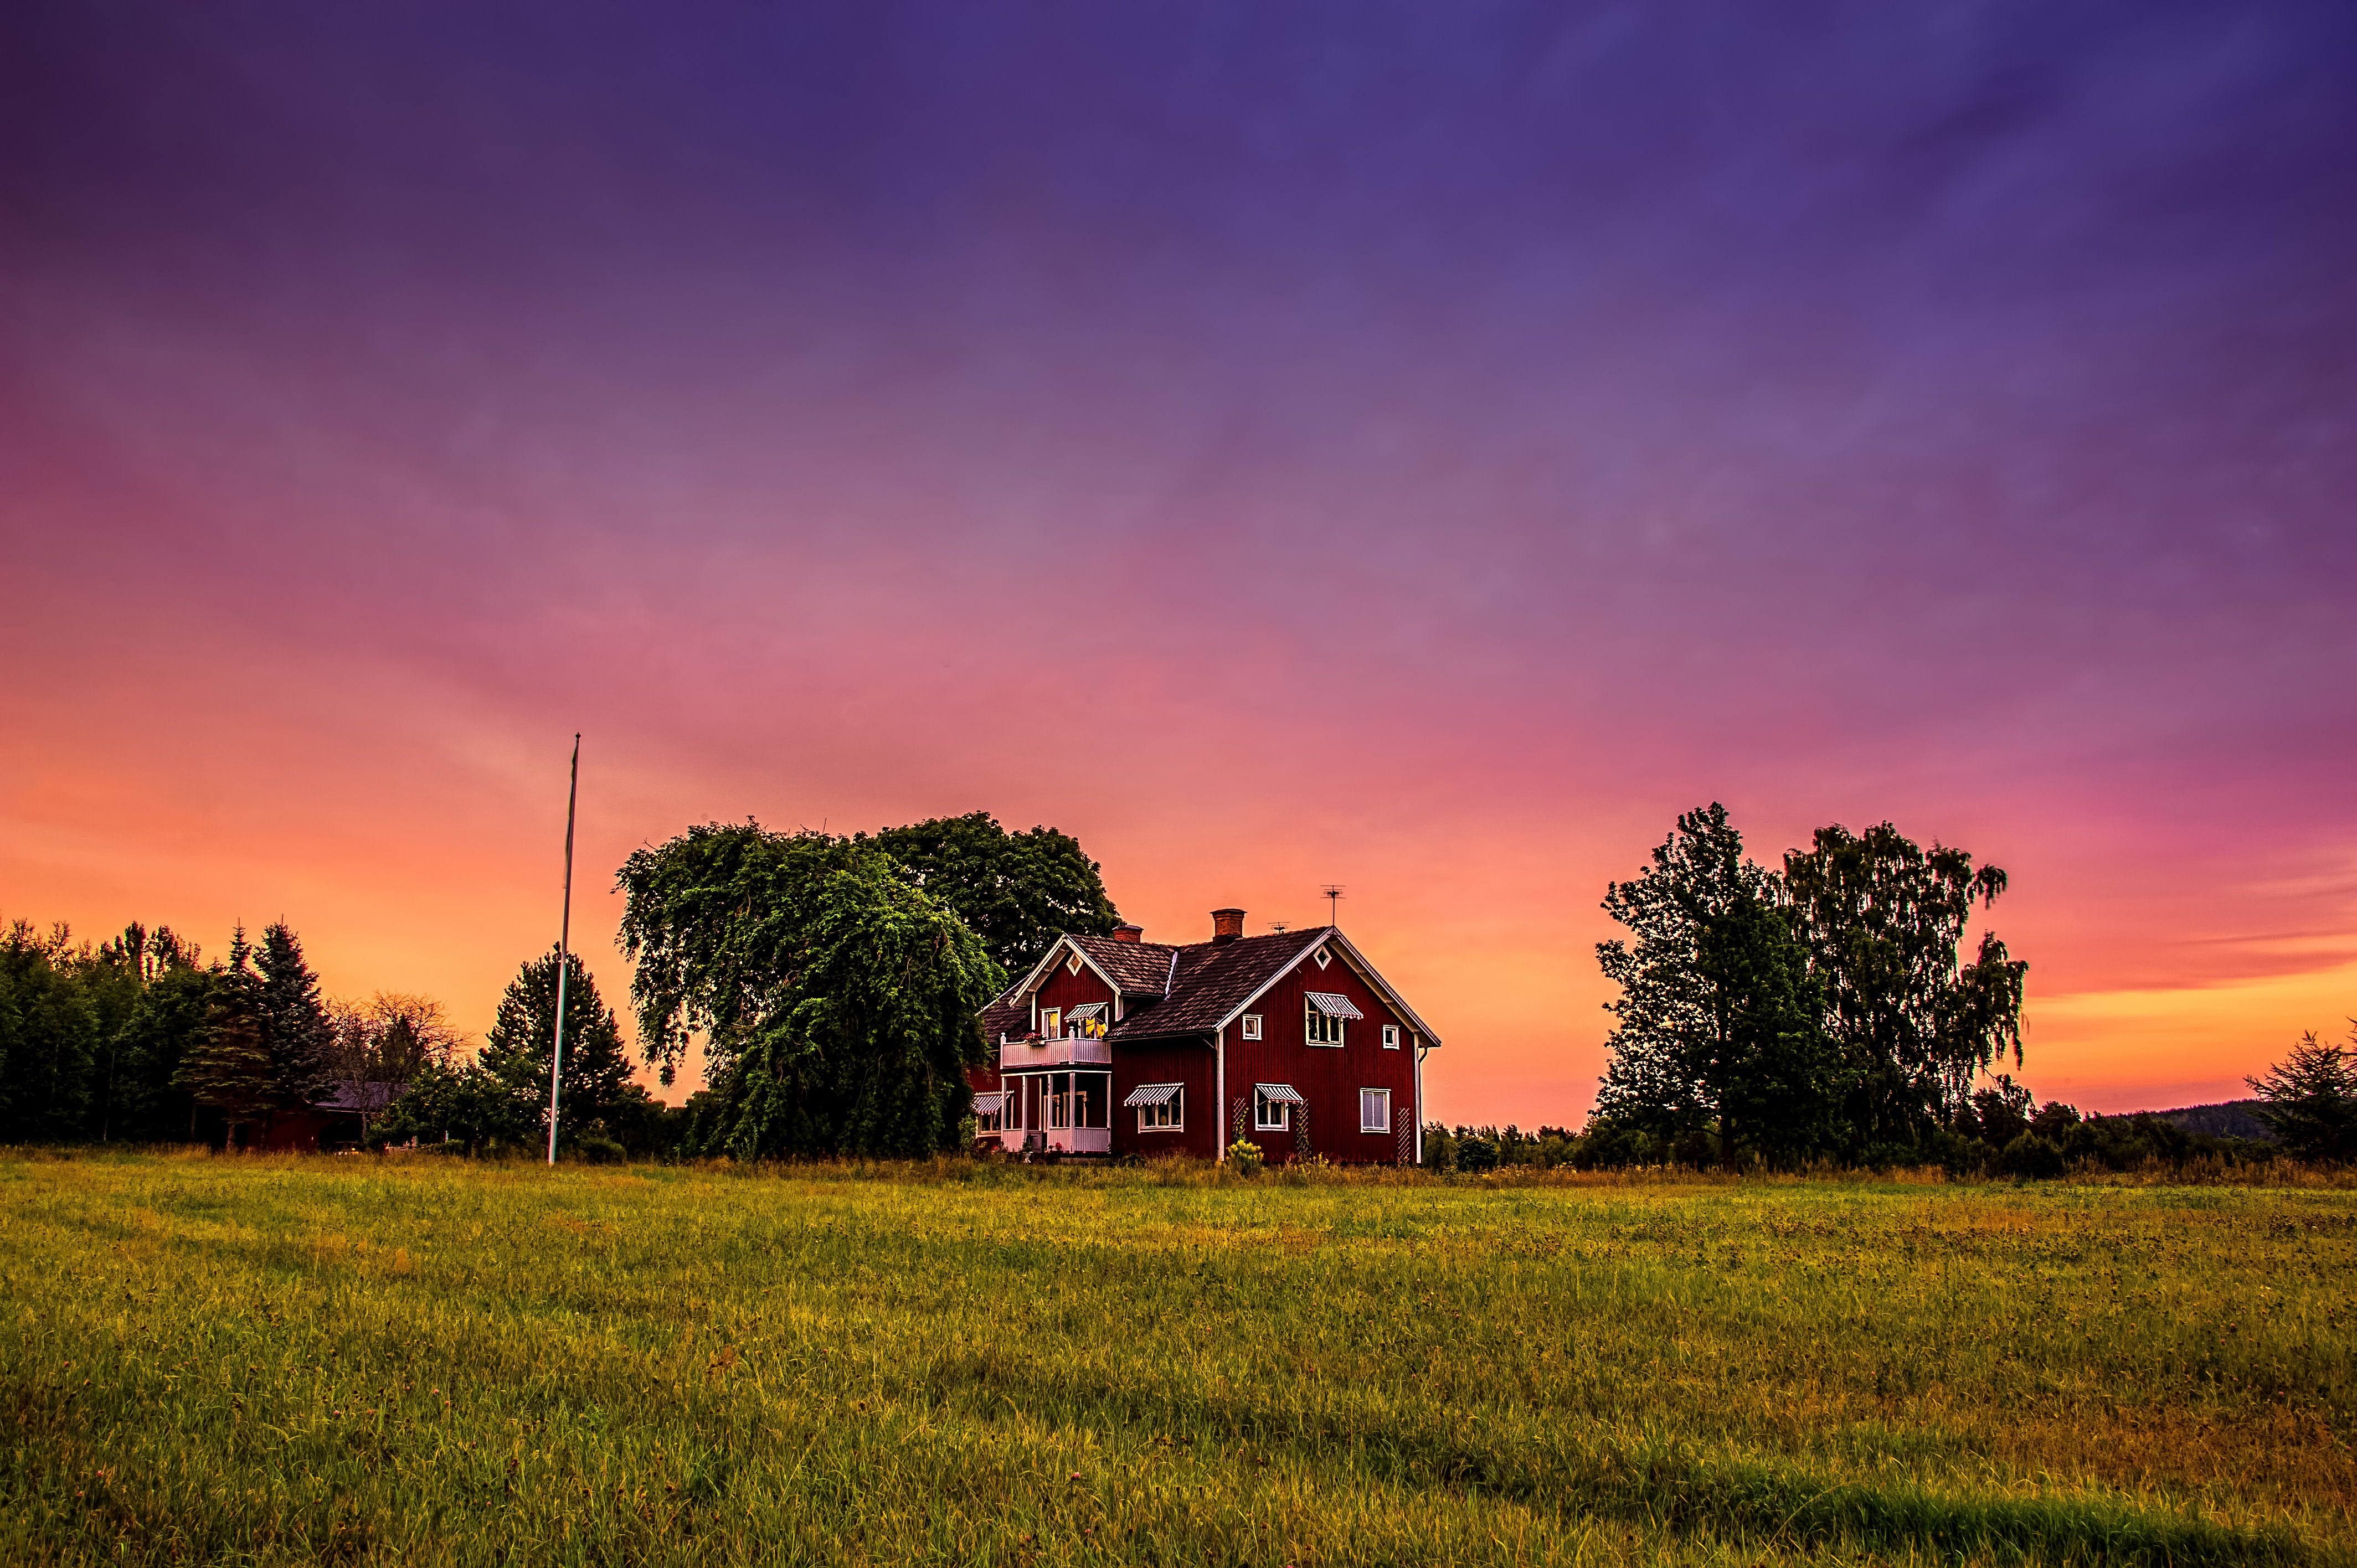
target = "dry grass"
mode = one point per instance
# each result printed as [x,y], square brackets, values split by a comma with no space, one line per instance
[297,1361]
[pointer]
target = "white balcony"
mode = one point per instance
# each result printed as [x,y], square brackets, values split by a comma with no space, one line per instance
[1060,1140]
[1065,1052]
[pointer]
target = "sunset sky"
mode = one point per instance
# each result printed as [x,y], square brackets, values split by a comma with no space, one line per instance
[1421,447]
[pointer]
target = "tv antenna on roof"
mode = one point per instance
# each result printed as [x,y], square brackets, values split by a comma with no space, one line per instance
[1333,891]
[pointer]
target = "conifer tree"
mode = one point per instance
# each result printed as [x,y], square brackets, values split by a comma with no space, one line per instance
[294,1022]
[2309,1099]
[597,1076]
[228,1066]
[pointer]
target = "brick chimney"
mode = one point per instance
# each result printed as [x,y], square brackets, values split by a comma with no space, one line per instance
[1227,925]
[1129,933]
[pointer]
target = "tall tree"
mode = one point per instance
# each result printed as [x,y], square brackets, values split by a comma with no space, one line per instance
[2309,1099]
[48,1038]
[837,1002]
[596,1073]
[1719,1020]
[293,1021]
[168,1025]
[1885,922]
[228,1068]
[1018,891]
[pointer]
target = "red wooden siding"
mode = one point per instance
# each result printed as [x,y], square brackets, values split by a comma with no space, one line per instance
[1176,1062]
[1328,1077]
[1066,989]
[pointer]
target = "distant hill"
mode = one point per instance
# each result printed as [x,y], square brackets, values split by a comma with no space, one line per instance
[2231,1119]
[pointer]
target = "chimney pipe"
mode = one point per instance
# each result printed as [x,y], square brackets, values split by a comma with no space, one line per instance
[1129,933]
[1227,925]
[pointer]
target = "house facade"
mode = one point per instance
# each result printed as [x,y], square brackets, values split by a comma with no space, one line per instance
[1118,1046]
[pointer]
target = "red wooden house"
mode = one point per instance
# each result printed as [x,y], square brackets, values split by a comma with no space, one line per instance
[1116,1046]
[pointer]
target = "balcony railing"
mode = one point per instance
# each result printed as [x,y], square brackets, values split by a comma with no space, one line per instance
[1070,1050]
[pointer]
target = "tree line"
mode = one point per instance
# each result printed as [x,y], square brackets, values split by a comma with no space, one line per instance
[832,984]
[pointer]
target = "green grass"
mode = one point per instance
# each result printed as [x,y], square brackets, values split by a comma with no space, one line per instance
[264,1361]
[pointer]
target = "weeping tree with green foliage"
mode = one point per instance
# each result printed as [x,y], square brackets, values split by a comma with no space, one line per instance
[1719,1021]
[1017,891]
[1885,922]
[837,1001]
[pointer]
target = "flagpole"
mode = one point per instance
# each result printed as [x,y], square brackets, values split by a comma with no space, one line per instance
[564,951]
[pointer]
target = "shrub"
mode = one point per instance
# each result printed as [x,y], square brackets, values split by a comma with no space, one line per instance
[1245,1155]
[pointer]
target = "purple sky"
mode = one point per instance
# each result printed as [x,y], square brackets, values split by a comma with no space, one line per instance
[1422,447]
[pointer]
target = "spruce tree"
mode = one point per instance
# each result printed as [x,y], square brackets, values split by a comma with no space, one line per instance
[228,1068]
[597,1076]
[294,1022]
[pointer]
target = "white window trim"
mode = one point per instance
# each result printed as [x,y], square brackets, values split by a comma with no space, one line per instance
[1363,1126]
[1315,1023]
[1052,1019]
[1175,1105]
[1252,1025]
[1391,1036]
[1262,1105]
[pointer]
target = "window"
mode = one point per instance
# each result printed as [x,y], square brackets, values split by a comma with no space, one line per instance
[1374,1111]
[1052,1022]
[1391,1036]
[1161,1107]
[1323,1028]
[988,1112]
[1272,1108]
[1252,1025]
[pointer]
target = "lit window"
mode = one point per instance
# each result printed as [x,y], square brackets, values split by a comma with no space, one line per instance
[1270,1114]
[1391,1036]
[1052,1022]
[1323,1028]
[1252,1025]
[1374,1111]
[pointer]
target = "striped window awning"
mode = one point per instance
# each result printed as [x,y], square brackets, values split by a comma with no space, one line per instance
[984,1104]
[1085,1011]
[1333,1006]
[1280,1093]
[1153,1094]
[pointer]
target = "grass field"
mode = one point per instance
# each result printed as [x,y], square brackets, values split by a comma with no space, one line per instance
[265,1361]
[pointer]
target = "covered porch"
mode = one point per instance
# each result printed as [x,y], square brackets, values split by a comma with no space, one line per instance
[1057,1112]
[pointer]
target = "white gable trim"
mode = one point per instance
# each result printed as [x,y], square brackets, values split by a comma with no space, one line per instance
[1332,936]
[1047,960]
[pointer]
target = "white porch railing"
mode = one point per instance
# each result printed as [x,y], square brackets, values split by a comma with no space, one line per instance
[1072,1050]
[1061,1140]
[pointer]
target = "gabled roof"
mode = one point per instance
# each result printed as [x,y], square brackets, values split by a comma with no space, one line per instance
[1208,983]
[1212,978]
[1134,969]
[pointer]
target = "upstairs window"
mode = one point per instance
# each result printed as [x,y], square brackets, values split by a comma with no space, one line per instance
[1052,1023]
[1252,1025]
[1391,1036]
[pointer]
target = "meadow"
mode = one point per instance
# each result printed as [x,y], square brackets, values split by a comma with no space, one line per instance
[262,1360]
